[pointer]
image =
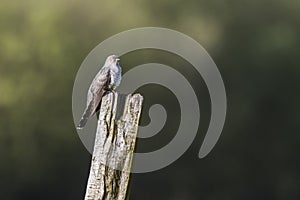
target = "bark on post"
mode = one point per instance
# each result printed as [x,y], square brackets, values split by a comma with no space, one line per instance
[114,146]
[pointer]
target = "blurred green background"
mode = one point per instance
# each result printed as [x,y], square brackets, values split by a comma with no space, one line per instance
[255,44]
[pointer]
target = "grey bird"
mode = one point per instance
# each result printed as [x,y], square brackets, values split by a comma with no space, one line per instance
[107,79]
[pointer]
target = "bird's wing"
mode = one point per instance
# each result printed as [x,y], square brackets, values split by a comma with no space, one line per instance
[95,93]
[97,88]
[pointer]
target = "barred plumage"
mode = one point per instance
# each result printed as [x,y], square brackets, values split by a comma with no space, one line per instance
[107,79]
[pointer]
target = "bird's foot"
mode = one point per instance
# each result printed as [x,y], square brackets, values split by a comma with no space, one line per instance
[112,90]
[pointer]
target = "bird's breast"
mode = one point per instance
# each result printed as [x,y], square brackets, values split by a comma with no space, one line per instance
[115,78]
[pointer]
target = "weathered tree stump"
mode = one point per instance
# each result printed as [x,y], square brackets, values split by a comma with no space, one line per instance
[114,146]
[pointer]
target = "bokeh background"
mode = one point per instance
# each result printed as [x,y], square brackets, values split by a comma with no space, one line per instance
[256,46]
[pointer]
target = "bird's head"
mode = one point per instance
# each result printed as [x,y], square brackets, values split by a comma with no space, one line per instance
[112,59]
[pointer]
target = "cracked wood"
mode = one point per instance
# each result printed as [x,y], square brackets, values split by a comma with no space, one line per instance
[114,146]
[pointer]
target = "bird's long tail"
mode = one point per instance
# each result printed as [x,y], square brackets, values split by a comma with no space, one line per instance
[86,115]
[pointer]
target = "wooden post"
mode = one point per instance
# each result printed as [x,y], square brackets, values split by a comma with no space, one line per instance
[114,146]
